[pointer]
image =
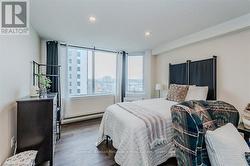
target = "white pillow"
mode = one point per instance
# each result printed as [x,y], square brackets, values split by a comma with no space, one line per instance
[226,147]
[197,93]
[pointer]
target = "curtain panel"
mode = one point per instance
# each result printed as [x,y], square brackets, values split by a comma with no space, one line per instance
[52,59]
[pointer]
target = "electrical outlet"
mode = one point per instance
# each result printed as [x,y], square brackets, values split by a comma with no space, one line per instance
[12,142]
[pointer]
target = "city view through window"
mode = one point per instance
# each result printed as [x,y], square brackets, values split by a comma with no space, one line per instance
[135,81]
[94,72]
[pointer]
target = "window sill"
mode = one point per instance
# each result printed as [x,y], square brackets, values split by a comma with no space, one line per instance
[91,96]
[129,94]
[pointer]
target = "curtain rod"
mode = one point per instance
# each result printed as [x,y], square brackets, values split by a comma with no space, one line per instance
[89,48]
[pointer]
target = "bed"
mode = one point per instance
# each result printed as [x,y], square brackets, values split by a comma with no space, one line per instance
[130,130]
[129,134]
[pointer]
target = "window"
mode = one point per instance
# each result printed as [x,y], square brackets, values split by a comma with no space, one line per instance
[105,72]
[70,61]
[135,74]
[70,68]
[94,74]
[90,73]
[79,56]
[78,61]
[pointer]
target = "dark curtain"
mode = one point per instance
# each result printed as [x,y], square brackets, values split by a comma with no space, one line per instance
[52,59]
[123,86]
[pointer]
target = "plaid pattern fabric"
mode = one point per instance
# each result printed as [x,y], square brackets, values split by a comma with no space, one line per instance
[247,156]
[190,120]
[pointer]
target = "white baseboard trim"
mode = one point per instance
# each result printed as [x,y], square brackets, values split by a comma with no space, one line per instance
[81,118]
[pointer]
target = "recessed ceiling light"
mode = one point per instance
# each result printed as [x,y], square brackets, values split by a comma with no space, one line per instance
[147,33]
[92,19]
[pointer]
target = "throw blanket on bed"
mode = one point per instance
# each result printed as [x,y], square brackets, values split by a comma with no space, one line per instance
[154,123]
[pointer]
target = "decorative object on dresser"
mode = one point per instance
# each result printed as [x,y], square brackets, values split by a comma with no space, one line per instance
[44,84]
[158,87]
[246,117]
[36,126]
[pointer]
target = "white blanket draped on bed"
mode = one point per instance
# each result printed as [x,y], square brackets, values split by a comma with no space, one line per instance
[153,120]
[130,137]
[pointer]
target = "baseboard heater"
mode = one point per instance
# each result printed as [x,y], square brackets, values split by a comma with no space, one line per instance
[82,118]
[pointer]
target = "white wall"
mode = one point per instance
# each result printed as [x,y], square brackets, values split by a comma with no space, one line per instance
[233,67]
[16,56]
[78,106]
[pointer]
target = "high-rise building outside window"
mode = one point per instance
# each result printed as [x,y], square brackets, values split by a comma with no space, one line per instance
[92,72]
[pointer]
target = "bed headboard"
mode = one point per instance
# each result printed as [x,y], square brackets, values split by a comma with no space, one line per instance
[200,73]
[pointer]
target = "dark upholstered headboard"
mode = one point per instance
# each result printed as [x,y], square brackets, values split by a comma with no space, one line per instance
[200,73]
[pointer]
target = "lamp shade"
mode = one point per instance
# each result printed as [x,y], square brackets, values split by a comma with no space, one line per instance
[158,87]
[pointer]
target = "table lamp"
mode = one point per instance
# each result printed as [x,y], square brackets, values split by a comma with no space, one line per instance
[158,87]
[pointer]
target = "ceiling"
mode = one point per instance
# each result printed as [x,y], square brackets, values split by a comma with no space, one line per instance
[121,24]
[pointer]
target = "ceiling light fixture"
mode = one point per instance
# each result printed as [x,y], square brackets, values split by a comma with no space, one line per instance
[92,19]
[147,34]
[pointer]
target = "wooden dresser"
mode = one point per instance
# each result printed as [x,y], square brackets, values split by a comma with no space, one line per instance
[36,126]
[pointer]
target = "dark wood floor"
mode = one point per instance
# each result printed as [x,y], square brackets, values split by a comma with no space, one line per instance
[77,147]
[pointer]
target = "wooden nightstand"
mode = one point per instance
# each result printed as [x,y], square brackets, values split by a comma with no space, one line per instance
[245,131]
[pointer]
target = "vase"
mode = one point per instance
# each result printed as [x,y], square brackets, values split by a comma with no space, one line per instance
[43,92]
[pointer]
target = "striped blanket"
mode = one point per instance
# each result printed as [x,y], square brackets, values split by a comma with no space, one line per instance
[154,123]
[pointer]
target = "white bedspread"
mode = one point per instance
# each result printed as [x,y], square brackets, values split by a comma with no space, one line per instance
[129,134]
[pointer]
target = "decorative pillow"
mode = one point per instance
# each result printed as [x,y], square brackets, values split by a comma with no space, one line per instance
[177,93]
[225,146]
[202,108]
[26,158]
[197,93]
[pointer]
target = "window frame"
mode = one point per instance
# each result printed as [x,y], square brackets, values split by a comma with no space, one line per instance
[92,92]
[135,93]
